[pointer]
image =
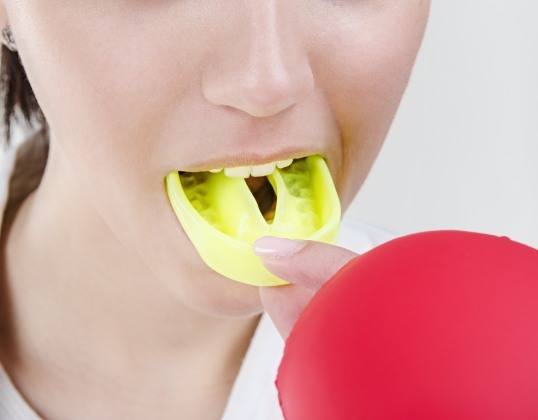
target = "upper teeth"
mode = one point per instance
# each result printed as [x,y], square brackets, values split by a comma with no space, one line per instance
[254,170]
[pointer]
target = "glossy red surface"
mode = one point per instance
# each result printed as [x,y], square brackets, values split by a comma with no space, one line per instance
[434,325]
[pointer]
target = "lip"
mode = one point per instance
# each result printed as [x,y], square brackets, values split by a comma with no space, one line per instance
[246,158]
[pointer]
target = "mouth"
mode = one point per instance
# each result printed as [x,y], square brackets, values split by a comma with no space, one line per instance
[224,210]
[261,190]
[265,196]
[257,179]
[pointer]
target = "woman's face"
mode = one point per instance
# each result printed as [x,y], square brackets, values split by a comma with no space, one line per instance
[133,89]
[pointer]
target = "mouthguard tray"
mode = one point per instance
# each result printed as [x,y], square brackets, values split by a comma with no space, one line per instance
[222,219]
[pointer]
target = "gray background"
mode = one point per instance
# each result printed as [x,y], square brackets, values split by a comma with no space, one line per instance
[463,150]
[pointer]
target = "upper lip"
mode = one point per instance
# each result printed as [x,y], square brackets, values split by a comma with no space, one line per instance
[249,158]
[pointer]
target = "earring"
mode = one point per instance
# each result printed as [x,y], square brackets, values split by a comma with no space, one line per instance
[7,38]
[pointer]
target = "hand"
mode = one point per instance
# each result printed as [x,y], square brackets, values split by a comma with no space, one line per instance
[305,264]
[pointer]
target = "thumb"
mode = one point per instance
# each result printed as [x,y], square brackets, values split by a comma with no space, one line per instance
[303,262]
[306,264]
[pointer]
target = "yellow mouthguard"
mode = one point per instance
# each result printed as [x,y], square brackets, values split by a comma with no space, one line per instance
[222,218]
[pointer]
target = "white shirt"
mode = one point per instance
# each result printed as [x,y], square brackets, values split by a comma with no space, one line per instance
[254,394]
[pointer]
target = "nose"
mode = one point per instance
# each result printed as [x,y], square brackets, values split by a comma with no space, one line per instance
[260,67]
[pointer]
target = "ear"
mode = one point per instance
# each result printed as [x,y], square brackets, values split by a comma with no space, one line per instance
[3,18]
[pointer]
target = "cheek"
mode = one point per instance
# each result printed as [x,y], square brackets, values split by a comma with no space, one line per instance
[370,60]
[107,81]
[364,66]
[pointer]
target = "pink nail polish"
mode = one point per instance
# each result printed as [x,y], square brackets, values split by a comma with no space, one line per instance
[275,247]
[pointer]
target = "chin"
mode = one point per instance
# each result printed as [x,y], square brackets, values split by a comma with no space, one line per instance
[221,297]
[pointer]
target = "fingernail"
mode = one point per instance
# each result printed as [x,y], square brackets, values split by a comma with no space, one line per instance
[275,247]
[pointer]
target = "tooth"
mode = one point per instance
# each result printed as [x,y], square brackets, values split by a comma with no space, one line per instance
[262,170]
[283,163]
[215,170]
[238,171]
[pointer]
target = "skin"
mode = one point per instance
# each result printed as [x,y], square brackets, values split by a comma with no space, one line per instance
[105,291]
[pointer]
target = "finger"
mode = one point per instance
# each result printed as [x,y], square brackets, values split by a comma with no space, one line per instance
[284,305]
[303,262]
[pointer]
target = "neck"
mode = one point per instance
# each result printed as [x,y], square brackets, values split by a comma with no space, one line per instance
[78,298]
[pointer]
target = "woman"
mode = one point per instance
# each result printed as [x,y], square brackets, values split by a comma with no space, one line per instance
[108,312]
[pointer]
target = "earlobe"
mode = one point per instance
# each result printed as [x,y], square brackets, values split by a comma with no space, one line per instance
[5,30]
[7,38]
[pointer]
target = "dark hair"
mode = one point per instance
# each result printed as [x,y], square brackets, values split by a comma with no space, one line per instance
[17,93]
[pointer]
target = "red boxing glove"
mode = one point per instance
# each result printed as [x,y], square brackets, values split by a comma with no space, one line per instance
[439,325]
